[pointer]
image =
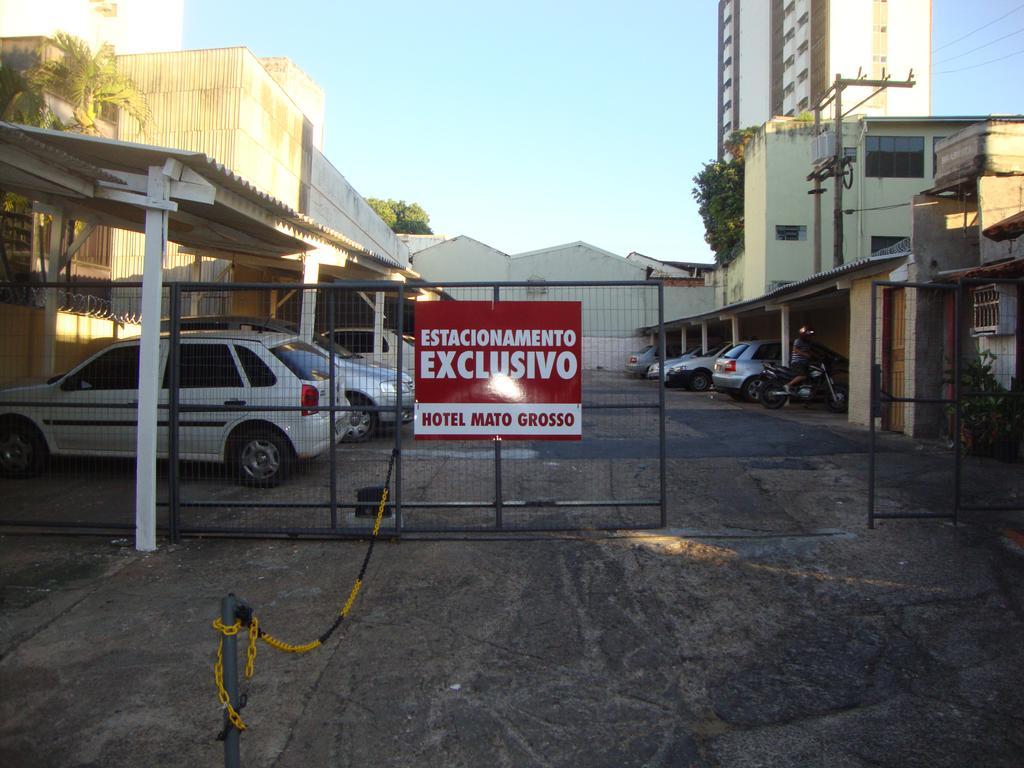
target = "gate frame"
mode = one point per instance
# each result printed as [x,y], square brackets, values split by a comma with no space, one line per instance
[396,502]
[880,398]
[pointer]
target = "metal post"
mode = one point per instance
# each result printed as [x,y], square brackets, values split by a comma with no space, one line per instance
[334,416]
[662,478]
[837,177]
[816,258]
[498,521]
[173,416]
[957,464]
[872,399]
[232,757]
[399,333]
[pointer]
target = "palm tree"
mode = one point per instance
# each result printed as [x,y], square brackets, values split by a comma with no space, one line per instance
[89,82]
[20,101]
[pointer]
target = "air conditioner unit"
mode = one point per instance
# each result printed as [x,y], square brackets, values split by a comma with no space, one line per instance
[823,148]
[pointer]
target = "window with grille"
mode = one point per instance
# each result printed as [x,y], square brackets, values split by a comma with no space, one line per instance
[790,232]
[986,310]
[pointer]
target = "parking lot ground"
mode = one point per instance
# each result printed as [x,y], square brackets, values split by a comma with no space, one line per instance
[767,626]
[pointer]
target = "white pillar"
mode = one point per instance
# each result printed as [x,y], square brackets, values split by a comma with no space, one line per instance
[310,275]
[197,277]
[784,333]
[49,361]
[378,324]
[735,321]
[158,191]
[682,339]
[704,336]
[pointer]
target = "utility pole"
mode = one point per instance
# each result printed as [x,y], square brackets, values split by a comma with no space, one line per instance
[836,167]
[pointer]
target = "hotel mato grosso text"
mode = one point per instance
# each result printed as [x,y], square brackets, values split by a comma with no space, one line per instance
[501,369]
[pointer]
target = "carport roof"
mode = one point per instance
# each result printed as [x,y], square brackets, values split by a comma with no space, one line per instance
[63,168]
[868,264]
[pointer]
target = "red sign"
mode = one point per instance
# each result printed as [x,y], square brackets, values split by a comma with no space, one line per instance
[508,369]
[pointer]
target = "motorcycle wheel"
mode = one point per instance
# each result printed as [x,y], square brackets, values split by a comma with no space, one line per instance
[773,398]
[840,402]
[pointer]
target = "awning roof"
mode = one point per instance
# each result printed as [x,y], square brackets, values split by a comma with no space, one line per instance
[67,169]
[794,290]
[1009,228]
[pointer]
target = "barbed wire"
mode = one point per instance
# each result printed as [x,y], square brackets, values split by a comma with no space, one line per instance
[84,304]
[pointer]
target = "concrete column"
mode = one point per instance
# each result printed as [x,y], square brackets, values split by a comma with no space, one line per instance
[158,191]
[310,275]
[197,277]
[378,324]
[682,338]
[784,333]
[704,335]
[49,361]
[735,322]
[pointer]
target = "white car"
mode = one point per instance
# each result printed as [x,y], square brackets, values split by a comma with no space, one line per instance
[89,411]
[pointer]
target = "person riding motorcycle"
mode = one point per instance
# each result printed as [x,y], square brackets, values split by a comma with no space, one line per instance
[800,357]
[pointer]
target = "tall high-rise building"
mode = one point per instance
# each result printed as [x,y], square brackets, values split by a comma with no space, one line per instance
[775,57]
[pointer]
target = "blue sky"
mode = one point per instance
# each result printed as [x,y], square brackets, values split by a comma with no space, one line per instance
[536,123]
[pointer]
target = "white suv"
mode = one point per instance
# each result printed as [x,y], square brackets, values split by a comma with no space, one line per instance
[89,411]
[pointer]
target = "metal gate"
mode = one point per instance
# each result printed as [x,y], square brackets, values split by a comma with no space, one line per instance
[228,410]
[947,371]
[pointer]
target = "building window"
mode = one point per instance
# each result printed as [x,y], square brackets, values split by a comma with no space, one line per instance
[850,152]
[803,47]
[727,41]
[985,299]
[803,19]
[790,232]
[802,76]
[895,157]
[727,62]
[881,242]
[803,104]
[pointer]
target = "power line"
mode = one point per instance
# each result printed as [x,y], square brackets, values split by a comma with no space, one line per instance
[985,45]
[983,26]
[982,64]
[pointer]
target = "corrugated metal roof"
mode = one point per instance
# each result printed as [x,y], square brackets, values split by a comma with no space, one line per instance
[133,157]
[783,290]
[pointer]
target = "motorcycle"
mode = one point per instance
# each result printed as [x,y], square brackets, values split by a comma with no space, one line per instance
[819,384]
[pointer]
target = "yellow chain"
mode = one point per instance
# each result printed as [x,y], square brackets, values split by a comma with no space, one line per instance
[228,630]
[250,660]
[222,694]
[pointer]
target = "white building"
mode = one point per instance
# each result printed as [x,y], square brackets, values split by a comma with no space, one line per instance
[131,26]
[776,56]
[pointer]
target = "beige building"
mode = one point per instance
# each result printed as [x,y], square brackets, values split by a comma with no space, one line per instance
[777,56]
[893,159]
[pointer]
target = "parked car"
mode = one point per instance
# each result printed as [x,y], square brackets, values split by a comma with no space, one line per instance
[365,382]
[638,362]
[88,411]
[695,372]
[738,371]
[360,342]
[652,370]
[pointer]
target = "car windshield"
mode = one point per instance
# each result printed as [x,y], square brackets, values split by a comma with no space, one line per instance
[736,351]
[304,360]
[339,349]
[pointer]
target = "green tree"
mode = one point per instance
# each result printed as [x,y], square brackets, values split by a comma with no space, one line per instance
[89,82]
[20,101]
[718,190]
[403,218]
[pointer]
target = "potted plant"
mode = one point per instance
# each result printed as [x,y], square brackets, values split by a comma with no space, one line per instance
[1009,423]
[980,405]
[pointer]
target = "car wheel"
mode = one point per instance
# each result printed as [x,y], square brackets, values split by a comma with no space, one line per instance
[840,402]
[700,382]
[22,450]
[751,389]
[261,456]
[365,423]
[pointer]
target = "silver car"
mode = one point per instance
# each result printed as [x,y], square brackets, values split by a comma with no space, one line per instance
[695,372]
[366,382]
[738,371]
[652,369]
